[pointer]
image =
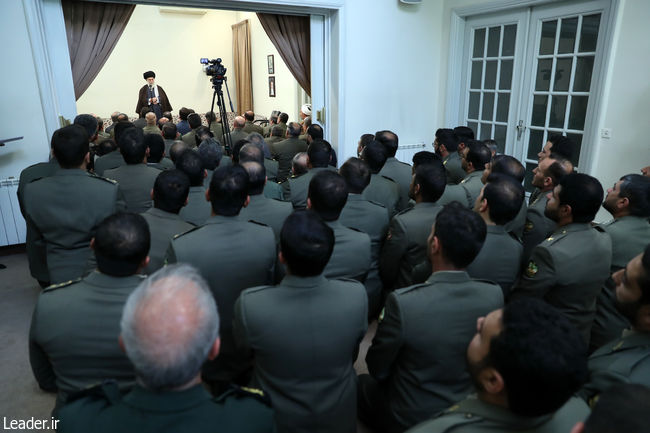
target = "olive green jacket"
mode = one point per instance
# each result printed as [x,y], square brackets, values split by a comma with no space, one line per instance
[454,169]
[136,182]
[267,211]
[351,255]
[384,191]
[163,226]
[401,173]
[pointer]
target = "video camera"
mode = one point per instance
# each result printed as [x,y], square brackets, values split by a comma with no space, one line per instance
[213,68]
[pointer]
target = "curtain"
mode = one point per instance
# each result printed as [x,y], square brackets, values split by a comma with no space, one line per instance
[241,49]
[93,30]
[290,35]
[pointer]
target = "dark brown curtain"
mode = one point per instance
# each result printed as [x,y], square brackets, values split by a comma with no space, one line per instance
[93,30]
[290,35]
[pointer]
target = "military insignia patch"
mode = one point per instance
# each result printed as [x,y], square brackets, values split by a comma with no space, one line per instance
[531,269]
[529,226]
[381,315]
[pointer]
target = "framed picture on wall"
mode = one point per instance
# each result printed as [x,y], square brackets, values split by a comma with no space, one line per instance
[269,60]
[272,87]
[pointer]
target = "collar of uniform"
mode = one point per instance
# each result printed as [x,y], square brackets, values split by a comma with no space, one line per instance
[197,189]
[355,197]
[100,279]
[448,277]
[334,224]
[70,172]
[630,339]
[540,196]
[163,214]
[496,229]
[425,204]
[476,173]
[218,219]
[143,398]
[473,406]
[573,227]
[256,198]
[296,281]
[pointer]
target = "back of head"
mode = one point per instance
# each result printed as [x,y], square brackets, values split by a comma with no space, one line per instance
[250,152]
[122,117]
[257,139]
[315,131]
[356,174]
[293,129]
[449,138]
[492,145]
[389,140]
[621,408]
[328,193]
[299,163]
[184,112]
[210,116]
[464,134]
[70,146]
[177,149]
[540,355]
[168,115]
[87,122]
[156,145]
[562,145]
[132,146]
[239,122]
[201,133]
[256,176]
[432,179]
[236,147]
[249,115]
[228,190]
[319,152]
[194,120]
[106,146]
[583,193]
[461,234]
[424,157]
[170,190]
[306,243]
[478,154]
[636,188]
[119,129]
[210,153]
[190,163]
[169,131]
[150,117]
[283,117]
[504,196]
[509,166]
[114,115]
[121,244]
[375,155]
[365,139]
[276,131]
[168,327]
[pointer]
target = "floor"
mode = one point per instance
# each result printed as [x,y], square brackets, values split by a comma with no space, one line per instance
[21,398]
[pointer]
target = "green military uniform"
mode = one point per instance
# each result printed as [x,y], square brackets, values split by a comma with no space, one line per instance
[351,255]
[273,191]
[189,138]
[237,134]
[163,226]
[136,182]
[217,131]
[198,209]
[453,168]
[473,186]
[304,335]
[630,235]
[168,145]
[164,164]
[372,219]
[298,187]
[475,416]
[516,225]
[499,259]
[453,193]
[105,410]
[74,331]
[283,152]
[284,129]
[538,227]
[567,270]
[65,209]
[384,191]
[251,127]
[267,211]
[151,129]
[406,244]
[36,252]
[271,141]
[232,254]
[418,353]
[401,173]
[623,360]
[271,168]
[108,162]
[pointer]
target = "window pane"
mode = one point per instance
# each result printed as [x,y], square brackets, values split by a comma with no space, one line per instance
[477,74]
[494,39]
[547,43]
[578,112]
[582,79]
[575,156]
[535,143]
[509,38]
[543,80]
[500,137]
[491,74]
[528,179]
[589,32]
[558,110]
[479,42]
[486,131]
[505,81]
[562,74]
[539,110]
[474,104]
[473,126]
[488,106]
[567,35]
[503,105]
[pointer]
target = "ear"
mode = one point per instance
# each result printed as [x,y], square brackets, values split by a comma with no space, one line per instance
[185,203]
[416,188]
[207,195]
[205,173]
[578,428]
[214,349]
[281,258]
[120,342]
[442,148]
[566,210]
[643,317]
[92,243]
[308,203]
[491,380]
[483,206]
[266,179]
[248,200]
[435,245]
[623,202]
[151,193]
[87,158]
[145,262]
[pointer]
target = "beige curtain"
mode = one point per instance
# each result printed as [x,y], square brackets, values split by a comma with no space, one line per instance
[241,50]
[290,35]
[93,30]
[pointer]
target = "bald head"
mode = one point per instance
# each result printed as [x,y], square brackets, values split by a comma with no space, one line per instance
[150,118]
[239,122]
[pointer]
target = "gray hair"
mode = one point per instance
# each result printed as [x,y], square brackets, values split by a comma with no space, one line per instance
[257,139]
[168,326]
[299,163]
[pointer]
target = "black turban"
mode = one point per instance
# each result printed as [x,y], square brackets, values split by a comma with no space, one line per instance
[149,74]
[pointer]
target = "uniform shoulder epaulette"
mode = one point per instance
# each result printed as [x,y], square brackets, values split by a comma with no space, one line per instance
[376,203]
[600,228]
[389,178]
[60,285]
[105,179]
[515,237]
[407,210]
[410,288]
[258,223]
[405,163]
[355,229]
[184,233]
[108,390]
[236,391]
[482,280]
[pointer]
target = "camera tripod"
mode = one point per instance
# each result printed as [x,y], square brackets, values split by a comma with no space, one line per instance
[221,104]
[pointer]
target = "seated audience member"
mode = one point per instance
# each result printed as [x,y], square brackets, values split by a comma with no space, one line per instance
[646,171]
[75,325]
[416,360]
[214,123]
[623,408]
[65,208]
[271,165]
[305,112]
[509,166]
[232,254]
[273,121]
[500,257]
[473,161]
[101,133]
[110,127]
[105,147]
[629,204]
[625,359]
[304,333]
[318,156]
[156,152]
[89,123]
[562,147]
[177,149]
[363,140]
[183,126]
[394,169]
[446,145]
[380,189]
[169,134]
[113,159]
[249,126]
[314,132]
[161,122]
[306,123]
[275,137]
[406,243]
[136,179]
[141,121]
[568,269]
[284,151]
[252,153]
[211,156]
[299,165]
[169,195]
[526,361]
[151,127]
[194,121]
[169,327]
[369,217]
[237,132]
[283,119]
[198,208]
[351,257]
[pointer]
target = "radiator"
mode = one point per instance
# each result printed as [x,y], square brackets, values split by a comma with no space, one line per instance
[405,152]
[12,223]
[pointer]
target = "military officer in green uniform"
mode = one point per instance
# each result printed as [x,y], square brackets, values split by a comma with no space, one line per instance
[170,325]
[237,132]
[629,203]
[198,208]
[446,145]
[254,152]
[285,150]
[66,207]
[509,166]
[75,325]
[318,156]
[394,169]
[304,333]
[568,269]
[473,161]
[417,357]
[232,254]
[520,389]
[381,189]
[249,126]
[275,137]
[194,121]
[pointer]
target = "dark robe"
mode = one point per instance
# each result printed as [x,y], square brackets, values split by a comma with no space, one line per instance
[143,98]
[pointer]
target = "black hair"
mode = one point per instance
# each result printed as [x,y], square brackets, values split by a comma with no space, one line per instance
[556,172]
[294,129]
[184,112]
[228,190]
[636,188]
[390,141]
[508,165]
[621,408]
[432,179]
[504,195]
[644,279]
[365,139]
[461,233]
[449,138]
[156,145]
[122,242]
[169,131]
[319,152]
[250,152]
[328,194]
[375,155]
[464,134]
[70,146]
[236,147]
[106,146]
[170,190]
[276,131]
[562,145]
[356,174]
[583,193]
[168,115]
[478,154]
[177,149]
[194,120]
[132,145]
[256,176]
[201,133]
[424,157]
[119,129]
[190,163]
[210,116]
[210,152]
[249,115]
[144,111]
[306,243]
[315,131]
[88,122]
[283,117]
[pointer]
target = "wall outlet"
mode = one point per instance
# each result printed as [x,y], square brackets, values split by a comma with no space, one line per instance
[606,133]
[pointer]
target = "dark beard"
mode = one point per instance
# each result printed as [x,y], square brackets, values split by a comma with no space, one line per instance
[628,309]
[474,369]
[550,214]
